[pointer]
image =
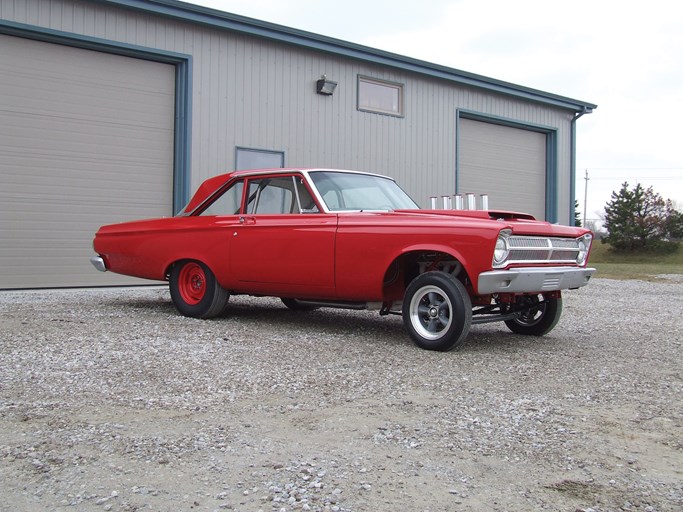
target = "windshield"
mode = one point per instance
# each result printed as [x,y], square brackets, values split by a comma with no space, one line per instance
[344,191]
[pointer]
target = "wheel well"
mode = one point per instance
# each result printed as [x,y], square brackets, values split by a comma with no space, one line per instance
[408,266]
[169,267]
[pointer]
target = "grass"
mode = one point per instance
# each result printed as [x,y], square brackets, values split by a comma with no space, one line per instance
[634,266]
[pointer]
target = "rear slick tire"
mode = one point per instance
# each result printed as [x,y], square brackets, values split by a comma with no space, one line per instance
[195,291]
[437,311]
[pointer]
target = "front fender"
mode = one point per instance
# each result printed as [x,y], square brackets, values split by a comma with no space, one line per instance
[363,260]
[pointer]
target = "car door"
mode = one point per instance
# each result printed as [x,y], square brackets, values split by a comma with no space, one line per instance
[282,238]
[208,233]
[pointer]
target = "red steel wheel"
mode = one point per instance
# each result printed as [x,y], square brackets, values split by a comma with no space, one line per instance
[195,290]
[192,283]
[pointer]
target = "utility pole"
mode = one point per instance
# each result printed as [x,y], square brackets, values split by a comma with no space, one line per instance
[585,200]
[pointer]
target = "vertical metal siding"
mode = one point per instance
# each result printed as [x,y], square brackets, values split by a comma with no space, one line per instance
[251,92]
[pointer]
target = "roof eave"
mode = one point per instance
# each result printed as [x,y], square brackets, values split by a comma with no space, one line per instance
[250,26]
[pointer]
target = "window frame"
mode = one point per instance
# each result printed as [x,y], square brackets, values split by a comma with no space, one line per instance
[295,201]
[400,87]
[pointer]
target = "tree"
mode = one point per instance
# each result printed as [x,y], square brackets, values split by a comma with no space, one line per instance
[577,214]
[675,225]
[640,220]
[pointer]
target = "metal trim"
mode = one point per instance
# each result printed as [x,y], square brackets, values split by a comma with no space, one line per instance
[98,263]
[533,279]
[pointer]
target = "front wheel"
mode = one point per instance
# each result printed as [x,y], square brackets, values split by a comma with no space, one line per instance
[195,291]
[437,311]
[538,317]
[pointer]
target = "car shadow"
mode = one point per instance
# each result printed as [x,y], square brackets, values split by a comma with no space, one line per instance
[384,330]
[160,305]
[496,338]
[327,319]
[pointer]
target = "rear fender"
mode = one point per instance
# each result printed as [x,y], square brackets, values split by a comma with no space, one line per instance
[218,270]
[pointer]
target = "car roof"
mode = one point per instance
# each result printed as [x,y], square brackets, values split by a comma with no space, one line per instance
[290,170]
[210,185]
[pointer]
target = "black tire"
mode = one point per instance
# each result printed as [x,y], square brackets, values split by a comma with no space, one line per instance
[437,311]
[297,305]
[195,291]
[540,318]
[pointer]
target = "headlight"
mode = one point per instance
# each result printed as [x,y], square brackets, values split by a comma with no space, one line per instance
[502,249]
[584,247]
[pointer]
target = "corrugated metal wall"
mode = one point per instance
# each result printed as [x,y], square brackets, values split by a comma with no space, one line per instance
[251,92]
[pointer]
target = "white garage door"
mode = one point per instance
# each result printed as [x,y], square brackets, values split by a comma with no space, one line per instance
[507,163]
[86,138]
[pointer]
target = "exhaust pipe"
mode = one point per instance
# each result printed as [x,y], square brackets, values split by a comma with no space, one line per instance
[471,201]
[458,202]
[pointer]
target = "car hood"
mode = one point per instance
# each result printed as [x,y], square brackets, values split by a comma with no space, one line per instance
[520,223]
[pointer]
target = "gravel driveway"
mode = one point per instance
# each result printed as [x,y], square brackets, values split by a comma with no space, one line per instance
[111,401]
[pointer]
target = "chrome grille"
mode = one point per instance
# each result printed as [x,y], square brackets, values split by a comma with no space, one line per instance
[537,249]
[527,241]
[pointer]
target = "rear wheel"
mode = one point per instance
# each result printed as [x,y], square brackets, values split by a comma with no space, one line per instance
[195,291]
[539,316]
[437,311]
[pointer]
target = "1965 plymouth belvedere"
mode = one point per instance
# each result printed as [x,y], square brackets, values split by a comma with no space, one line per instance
[329,238]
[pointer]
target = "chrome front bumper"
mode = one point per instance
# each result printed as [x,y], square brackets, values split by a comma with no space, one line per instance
[98,263]
[536,279]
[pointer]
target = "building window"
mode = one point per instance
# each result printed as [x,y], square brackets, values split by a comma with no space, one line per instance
[248,158]
[380,96]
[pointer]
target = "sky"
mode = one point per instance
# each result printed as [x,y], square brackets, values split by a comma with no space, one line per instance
[625,56]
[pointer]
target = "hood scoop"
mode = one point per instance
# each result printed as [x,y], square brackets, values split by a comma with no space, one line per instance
[468,206]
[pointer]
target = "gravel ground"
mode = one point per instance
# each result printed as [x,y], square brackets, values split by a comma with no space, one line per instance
[111,401]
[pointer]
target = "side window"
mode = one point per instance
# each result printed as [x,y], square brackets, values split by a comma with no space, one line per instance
[228,203]
[280,195]
[270,196]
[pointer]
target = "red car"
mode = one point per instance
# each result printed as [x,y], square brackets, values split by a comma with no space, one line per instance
[345,239]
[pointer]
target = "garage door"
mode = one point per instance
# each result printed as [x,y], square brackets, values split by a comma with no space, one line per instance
[86,138]
[507,163]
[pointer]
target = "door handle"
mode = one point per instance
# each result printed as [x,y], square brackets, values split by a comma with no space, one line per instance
[247,219]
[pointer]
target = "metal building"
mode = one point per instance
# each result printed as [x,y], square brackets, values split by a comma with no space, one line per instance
[112,110]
